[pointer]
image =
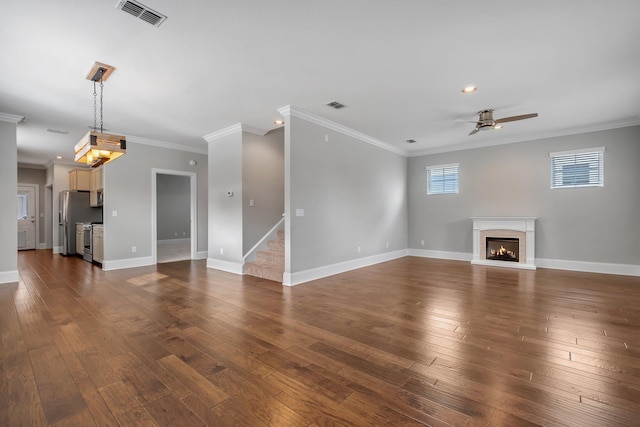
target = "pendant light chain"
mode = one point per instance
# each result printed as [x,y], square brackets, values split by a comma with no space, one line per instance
[101,87]
[95,108]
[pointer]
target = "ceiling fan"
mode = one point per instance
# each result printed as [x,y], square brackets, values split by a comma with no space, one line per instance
[486,120]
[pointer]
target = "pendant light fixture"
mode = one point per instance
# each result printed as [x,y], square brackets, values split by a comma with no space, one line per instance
[96,147]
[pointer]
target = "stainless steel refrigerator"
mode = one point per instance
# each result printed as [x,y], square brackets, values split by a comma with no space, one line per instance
[74,207]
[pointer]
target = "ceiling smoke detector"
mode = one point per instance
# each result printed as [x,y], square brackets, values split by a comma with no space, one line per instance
[141,11]
[335,104]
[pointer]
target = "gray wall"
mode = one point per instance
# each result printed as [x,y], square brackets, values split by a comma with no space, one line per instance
[39,177]
[173,207]
[127,190]
[262,182]
[582,224]
[353,194]
[225,213]
[8,192]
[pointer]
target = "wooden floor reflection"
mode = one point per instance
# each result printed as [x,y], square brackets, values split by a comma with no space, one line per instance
[408,342]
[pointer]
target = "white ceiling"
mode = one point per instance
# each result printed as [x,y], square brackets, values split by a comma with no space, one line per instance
[399,66]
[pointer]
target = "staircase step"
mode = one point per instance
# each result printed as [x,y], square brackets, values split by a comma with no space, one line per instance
[273,257]
[264,271]
[276,245]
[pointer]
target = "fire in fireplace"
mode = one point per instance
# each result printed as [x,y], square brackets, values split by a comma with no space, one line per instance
[503,249]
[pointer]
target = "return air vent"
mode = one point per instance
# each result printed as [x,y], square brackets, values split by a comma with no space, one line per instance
[335,104]
[141,11]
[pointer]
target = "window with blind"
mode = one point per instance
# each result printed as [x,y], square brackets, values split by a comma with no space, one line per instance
[577,168]
[442,179]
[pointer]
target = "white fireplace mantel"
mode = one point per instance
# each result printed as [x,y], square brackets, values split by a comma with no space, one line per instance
[505,227]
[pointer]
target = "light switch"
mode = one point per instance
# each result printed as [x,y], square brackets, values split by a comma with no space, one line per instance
[114,213]
[251,202]
[299,212]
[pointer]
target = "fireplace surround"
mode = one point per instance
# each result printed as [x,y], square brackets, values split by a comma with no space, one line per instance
[507,229]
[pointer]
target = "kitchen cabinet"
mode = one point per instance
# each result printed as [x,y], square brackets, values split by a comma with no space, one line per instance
[79,239]
[96,186]
[80,179]
[98,243]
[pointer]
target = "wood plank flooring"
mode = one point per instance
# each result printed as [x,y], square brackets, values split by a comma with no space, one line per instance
[405,343]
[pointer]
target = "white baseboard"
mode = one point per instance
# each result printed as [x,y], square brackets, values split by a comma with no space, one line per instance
[41,246]
[119,264]
[173,241]
[202,254]
[456,256]
[57,249]
[9,276]
[297,278]
[590,267]
[559,264]
[228,266]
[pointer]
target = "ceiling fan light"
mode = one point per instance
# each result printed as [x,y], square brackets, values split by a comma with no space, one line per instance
[497,127]
[469,89]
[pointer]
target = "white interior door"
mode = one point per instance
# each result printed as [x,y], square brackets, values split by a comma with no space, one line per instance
[26,218]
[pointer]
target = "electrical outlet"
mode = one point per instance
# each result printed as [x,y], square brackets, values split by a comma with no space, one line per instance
[422,242]
[175,234]
[387,245]
[221,251]
[326,137]
[114,213]
[133,249]
[251,204]
[358,249]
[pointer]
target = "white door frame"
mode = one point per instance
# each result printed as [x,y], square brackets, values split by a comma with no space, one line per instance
[154,210]
[36,188]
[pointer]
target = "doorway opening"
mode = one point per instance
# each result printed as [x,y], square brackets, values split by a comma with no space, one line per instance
[174,231]
[27,213]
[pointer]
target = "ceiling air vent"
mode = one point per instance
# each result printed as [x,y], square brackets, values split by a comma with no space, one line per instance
[411,141]
[141,11]
[335,104]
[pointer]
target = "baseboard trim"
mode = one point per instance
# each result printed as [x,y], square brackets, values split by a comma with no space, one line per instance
[589,267]
[292,279]
[455,256]
[11,276]
[202,254]
[228,266]
[57,249]
[119,264]
[558,264]
[41,246]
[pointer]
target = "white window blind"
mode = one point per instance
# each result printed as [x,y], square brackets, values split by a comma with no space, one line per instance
[577,168]
[442,179]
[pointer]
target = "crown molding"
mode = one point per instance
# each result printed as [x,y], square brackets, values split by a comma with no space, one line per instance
[230,130]
[164,144]
[254,130]
[531,137]
[11,118]
[290,110]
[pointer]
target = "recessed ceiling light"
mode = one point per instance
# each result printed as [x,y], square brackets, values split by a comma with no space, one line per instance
[469,89]
[59,157]
[278,122]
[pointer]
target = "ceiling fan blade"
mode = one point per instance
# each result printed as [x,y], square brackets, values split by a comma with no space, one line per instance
[514,118]
[473,132]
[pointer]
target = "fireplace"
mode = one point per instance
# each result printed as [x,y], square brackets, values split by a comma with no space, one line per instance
[503,249]
[504,242]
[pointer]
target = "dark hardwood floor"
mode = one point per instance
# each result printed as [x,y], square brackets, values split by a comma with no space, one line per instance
[404,343]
